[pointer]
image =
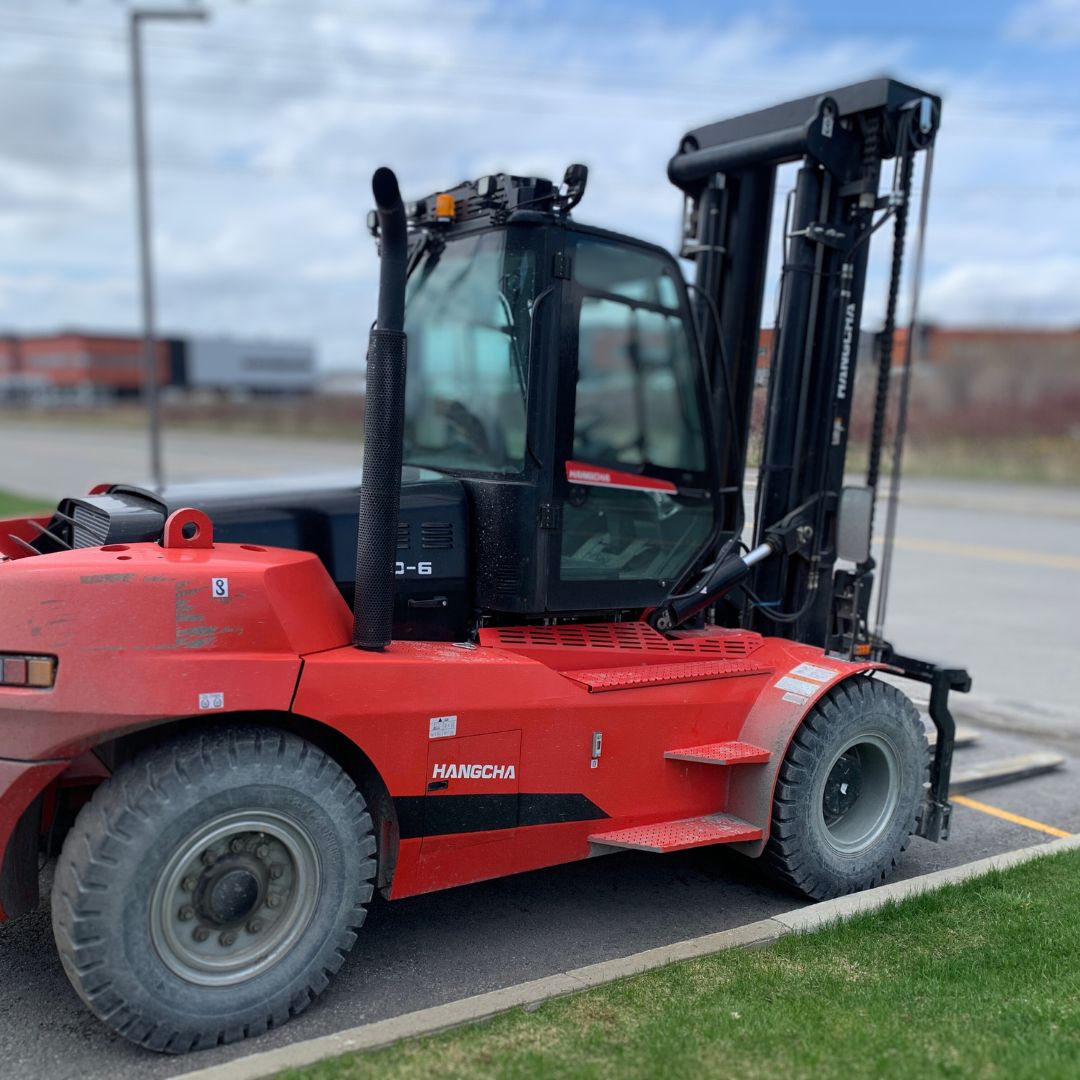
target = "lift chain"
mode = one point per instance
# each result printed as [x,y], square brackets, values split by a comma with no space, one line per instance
[885,342]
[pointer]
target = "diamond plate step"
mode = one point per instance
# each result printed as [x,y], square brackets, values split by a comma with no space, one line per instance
[721,753]
[664,836]
[631,678]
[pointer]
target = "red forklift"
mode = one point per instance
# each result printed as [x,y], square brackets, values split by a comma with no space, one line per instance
[532,634]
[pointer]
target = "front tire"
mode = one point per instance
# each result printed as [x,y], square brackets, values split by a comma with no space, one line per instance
[849,791]
[211,888]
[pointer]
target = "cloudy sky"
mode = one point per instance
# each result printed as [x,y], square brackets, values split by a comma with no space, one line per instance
[268,120]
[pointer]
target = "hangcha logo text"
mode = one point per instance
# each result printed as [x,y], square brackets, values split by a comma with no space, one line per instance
[845,352]
[473,772]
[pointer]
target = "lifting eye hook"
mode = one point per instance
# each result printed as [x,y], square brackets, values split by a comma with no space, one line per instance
[188,528]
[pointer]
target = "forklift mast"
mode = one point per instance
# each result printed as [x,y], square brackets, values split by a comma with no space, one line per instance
[727,171]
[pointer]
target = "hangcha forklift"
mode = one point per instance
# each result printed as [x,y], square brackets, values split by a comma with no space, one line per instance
[533,635]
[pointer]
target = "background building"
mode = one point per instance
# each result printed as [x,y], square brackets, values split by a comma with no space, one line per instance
[260,367]
[81,365]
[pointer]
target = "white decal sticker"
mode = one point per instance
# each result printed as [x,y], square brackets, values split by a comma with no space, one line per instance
[442,727]
[810,671]
[424,569]
[795,699]
[798,686]
[211,701]
[219,588]
[455,771]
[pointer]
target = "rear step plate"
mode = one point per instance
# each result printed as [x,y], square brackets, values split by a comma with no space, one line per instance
[664,836]
[721,753]
[630,678]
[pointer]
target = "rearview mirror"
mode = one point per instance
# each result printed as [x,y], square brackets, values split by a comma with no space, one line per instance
[853,524]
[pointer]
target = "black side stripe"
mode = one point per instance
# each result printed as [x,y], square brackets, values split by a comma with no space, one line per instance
[443,815]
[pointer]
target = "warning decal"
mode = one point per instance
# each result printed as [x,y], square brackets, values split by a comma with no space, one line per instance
[797,686]
[811,671]
[442,727]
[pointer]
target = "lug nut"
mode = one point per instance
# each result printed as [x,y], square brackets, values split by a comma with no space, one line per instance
[276,871]
[273,901]
[254,926]
[262,851]
[200,933]
[236,845]
[228,938]
[208,858]
[187,912]
[190,884]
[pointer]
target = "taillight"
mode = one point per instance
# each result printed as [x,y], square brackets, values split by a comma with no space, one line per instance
[38,672]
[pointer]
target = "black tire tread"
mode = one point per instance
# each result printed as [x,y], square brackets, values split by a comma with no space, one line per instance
[784,856]
[139,791]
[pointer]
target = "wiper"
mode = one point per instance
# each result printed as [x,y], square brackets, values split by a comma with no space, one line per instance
[515,345]
[426,243]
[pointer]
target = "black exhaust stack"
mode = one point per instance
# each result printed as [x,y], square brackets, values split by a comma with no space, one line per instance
[380,492]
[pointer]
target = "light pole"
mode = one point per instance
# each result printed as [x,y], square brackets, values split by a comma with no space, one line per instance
[142,186]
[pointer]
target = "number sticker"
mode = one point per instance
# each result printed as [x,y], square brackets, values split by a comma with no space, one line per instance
[424,569]
[211,701]
[219,588]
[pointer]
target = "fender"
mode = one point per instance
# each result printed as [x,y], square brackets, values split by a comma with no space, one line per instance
[144,633]
[21,782]
[772,722]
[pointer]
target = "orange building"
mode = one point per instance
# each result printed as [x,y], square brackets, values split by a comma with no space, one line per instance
[72,359]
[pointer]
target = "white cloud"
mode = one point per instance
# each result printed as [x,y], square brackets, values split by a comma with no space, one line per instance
[1005,292]
[1052,23]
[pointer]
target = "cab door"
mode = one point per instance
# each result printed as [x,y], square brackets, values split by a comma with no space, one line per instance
[634,472]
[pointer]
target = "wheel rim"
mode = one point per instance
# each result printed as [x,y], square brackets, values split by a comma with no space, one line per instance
[234,897]
[859,794]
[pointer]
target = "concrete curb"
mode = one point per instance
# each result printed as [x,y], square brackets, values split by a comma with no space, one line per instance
[469,1010]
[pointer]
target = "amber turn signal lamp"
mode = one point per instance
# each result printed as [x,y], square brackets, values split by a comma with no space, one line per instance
[38,672]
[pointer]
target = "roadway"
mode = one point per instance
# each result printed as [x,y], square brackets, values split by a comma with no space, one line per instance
[985,575]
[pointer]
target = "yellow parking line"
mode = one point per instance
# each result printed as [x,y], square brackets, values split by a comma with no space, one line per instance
[1016,819]
[994,554]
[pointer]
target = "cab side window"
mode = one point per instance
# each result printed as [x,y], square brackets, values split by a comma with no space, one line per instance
[634,389]
[637,426]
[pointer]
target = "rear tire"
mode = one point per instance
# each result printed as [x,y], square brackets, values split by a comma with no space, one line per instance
[849,791]
[211,888]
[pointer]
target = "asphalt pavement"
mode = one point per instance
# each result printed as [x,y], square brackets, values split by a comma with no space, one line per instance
[985,575]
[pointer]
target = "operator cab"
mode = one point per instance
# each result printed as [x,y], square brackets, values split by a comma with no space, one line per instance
[555,371]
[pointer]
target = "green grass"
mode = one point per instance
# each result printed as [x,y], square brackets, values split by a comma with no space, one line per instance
[1047,460]
[1050,460]
[15,505]
[977,980]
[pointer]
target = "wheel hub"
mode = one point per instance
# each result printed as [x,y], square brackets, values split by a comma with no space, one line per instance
[843,786]
[859,794]
[230,891]
[234,896]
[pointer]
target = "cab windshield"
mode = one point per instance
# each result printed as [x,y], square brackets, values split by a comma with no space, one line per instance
[468,321]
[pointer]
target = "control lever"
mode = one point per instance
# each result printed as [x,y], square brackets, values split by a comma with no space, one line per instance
[723,577]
